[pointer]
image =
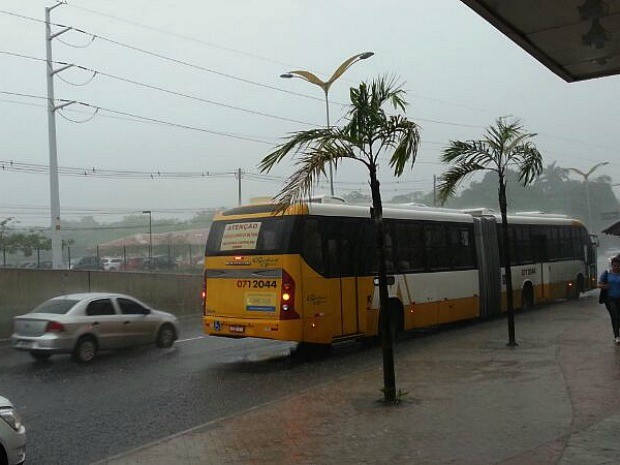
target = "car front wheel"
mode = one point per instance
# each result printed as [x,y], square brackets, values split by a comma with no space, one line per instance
[165,337]
[85,349]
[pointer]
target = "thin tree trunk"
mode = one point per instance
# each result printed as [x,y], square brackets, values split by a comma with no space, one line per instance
[512,342]
[385,317]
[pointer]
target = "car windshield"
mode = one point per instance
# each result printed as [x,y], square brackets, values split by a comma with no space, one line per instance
[58,306]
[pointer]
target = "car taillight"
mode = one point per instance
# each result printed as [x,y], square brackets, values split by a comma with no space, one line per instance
[287,298]
[54,327]
[203,294]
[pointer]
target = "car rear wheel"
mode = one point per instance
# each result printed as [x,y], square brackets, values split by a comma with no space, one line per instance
[40,356]
[165,337]
[85,349]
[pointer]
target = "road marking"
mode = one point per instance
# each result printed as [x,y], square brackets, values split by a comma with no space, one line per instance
[190,339]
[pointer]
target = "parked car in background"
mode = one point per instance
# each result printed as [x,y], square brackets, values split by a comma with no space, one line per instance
[112,263]
[12,435]
[82,324]
[88,263]
[159,262]
[132,264]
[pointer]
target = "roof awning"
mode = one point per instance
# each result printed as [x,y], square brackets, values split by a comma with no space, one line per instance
[613,230]
[576,39]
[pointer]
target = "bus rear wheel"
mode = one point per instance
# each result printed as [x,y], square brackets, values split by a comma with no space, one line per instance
[527,297]
[574,289]
[312,350]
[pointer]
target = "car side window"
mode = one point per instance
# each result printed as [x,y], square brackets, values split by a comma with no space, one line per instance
[100,307]
[131,307]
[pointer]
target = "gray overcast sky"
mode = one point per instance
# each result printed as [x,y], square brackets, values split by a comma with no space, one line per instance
[460,74]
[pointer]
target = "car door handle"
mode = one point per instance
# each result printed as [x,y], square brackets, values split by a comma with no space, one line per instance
[95,323]
[126,322]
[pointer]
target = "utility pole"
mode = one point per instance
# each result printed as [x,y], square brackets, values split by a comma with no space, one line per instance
[239,180]
[51,126]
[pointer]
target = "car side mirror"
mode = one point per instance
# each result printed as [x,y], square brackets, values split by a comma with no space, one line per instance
[146,311]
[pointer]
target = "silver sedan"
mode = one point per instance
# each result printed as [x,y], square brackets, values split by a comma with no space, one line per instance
[82,324]
[12,435]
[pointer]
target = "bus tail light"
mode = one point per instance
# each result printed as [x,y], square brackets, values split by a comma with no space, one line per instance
[203,294]
[287,298]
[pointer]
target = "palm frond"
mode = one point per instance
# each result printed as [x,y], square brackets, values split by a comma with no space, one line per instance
[504,144]
[403,136]
[368,132]
[529,160]
[298,142]
[450,180]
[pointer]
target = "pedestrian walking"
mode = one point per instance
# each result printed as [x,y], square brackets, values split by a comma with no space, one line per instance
[609,283]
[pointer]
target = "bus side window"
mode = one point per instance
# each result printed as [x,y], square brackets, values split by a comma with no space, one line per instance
[342,247]
[389,248]
[369,249]
[313,245]
[437,247]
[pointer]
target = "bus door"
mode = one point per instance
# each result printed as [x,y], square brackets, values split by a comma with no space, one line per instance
[342,252]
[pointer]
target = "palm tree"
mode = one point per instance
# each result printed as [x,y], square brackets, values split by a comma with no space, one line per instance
[368,133]
[505,144]
[553,178]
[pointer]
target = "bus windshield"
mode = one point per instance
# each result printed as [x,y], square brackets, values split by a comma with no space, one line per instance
[250,236]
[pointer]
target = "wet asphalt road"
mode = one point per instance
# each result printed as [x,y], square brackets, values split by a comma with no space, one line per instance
[78,414]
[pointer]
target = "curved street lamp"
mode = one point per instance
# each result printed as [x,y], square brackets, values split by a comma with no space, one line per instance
[325,85]
[586,177]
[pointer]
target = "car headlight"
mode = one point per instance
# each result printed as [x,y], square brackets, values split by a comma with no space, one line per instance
[10,415]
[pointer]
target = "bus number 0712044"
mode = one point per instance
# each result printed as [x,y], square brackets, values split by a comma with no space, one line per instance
[256,283]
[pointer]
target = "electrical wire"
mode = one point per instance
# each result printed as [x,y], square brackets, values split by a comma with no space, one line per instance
[148,119]
[166,58]
[153,87]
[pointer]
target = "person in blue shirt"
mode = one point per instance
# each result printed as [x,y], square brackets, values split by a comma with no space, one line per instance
[610,280]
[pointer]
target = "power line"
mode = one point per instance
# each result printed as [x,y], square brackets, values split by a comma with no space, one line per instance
[160,89]
[175,34]
[32,168]
[240,52]
[147,119]
[166,58]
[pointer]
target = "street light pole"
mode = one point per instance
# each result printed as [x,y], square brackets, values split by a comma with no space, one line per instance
[325,85]
[150,213]
[586,180]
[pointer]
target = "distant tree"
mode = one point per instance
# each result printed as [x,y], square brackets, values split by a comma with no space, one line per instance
[505,144]
[552,178]
[28,243]
[367,134]
[5,227]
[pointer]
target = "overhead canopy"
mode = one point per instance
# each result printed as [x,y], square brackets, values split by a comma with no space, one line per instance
[613,230]
[576,39]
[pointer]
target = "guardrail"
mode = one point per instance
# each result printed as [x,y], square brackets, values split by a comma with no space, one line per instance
[22,289]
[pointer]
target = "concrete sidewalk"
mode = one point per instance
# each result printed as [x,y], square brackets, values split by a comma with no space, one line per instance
[471,400]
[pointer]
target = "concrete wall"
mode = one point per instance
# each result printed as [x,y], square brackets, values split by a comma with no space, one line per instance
[22,289]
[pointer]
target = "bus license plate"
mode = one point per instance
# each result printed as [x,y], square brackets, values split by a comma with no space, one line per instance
[237,329]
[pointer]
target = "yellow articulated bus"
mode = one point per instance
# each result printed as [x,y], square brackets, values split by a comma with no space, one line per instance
[307,275]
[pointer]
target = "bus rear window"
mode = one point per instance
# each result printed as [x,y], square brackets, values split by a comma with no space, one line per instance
[252,236]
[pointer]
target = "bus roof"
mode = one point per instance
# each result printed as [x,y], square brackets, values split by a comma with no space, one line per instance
[396,211]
